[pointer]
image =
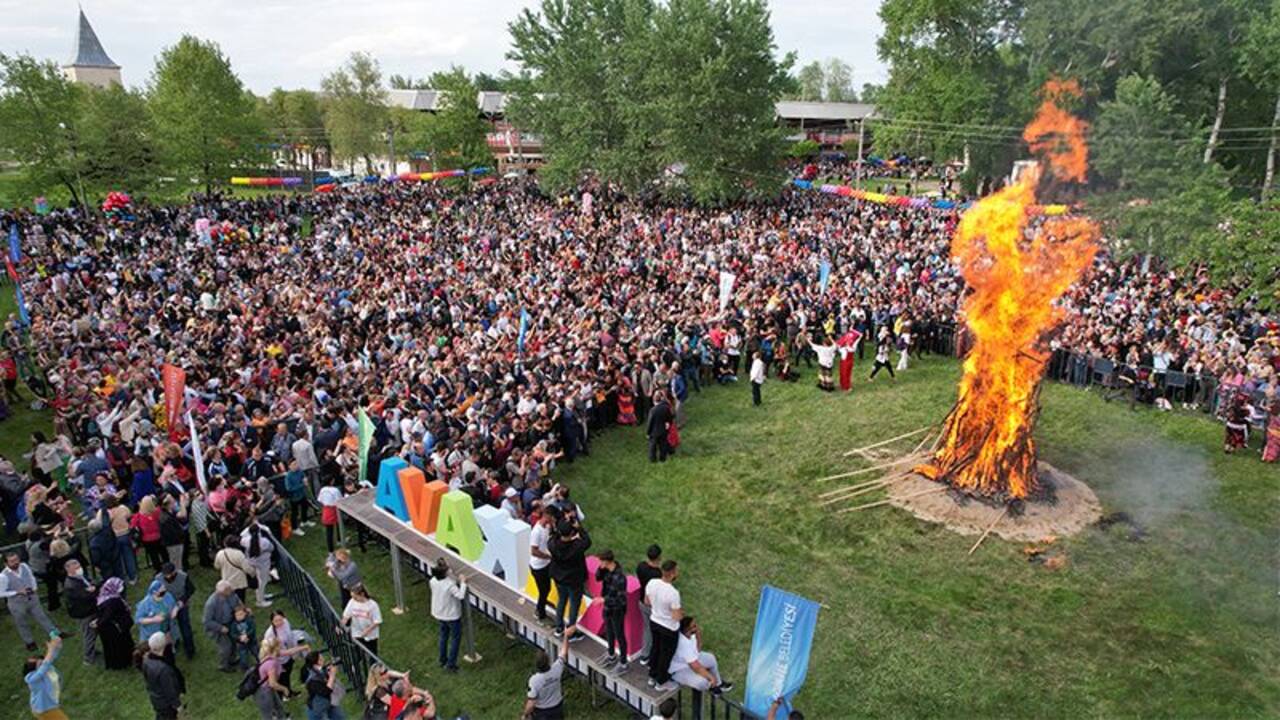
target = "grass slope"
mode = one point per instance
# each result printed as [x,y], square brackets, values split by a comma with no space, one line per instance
[1181,624]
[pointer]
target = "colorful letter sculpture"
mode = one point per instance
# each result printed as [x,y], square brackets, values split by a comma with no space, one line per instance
[390,495]
[504,536]
[593,618]
[457,527]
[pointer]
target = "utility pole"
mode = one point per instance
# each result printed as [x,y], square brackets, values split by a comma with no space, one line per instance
[391,146]
[861,139]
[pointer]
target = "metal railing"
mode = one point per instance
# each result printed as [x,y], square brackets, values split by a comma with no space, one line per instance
[720,707]
[305,595]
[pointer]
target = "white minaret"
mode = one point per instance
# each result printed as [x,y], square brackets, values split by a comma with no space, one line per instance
[91,65]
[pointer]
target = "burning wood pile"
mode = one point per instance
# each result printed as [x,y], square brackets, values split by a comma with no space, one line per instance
[1016,267]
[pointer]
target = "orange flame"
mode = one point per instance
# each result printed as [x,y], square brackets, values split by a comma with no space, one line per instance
[988,446]
[1057,134]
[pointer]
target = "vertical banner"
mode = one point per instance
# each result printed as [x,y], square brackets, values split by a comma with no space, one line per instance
[824,275]
[197,456]
[23,316]
[366,439]
[524,329]
[779,650]
[41,205]
[15,250]
[726,288]
[174,379]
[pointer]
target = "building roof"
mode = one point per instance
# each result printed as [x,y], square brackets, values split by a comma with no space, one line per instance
[803,110]
[414,99]
[89,52]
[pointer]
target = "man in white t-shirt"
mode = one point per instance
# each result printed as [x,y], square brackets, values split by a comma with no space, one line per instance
[540,561]
[664,623]
[693,668]
[363,617]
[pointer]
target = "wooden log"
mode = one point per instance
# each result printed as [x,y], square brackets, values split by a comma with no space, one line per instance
[883,466]
[882,443]
[880,485]
[940,488]
[989,529]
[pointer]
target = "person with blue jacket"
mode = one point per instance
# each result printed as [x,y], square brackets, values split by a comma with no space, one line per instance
[45,683]
[156,611]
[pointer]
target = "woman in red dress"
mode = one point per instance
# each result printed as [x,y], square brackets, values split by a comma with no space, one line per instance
[848,343]
[626,402]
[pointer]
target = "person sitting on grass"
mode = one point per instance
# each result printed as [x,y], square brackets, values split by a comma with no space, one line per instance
[693,667]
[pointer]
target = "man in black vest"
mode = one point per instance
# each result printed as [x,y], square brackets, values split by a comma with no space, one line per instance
[82,605]
[660,418]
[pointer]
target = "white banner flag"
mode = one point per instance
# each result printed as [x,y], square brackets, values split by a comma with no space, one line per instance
[196,455]
[726,288]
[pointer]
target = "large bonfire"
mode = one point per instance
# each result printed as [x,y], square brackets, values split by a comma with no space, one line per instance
[1016,266]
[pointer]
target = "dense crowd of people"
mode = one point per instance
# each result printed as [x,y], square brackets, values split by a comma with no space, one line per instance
[487,335]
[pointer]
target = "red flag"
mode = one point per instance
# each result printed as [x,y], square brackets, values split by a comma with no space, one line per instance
[8,266]
[175,384]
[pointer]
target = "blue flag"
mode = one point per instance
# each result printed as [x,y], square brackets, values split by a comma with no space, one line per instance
[15,252]
[824,275]
[524,328]
[779,650]
[23,317]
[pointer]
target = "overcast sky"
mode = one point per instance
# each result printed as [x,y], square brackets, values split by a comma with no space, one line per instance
[294,43]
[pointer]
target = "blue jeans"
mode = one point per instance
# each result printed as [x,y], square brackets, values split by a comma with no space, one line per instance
[126,562]
[571,596]
[450,639]
[330,712]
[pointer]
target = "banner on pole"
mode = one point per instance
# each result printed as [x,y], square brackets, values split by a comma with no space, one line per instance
[366,439]
[779,650]
[824,275]
[196,455]
[524,329]
[726,288]
[174,379]
[15,249]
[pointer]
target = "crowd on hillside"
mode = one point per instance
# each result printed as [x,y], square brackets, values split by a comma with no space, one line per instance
[487,335]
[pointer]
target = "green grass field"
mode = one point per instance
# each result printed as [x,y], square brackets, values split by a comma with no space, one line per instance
[1183,623]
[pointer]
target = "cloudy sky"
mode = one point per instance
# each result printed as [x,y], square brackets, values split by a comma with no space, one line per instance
[294,43]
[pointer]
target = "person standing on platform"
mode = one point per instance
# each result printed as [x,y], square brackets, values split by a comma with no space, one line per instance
[569,569]
[546,698]
[540,561]
[447,597]
[757,377]
[666,612]
[614,594]
[649,569]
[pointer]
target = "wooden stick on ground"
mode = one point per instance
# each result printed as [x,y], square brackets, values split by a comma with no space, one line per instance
[880,485]
[886,442]
[883,466]
[939,488]
[989,529]
[844,492]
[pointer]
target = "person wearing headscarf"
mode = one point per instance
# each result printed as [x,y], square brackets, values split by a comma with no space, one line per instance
[155,611]
[114,623]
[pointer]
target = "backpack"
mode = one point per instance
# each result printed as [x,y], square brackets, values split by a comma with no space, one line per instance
[250,683]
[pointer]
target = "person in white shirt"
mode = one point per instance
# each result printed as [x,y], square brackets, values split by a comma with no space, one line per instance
[363,617]
[665,614]
[691,666]
[328,498]
[540,561]
[826,360]
[757,377]
[447,597]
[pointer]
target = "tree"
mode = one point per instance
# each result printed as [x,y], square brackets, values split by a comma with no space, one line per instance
[356,113]
[1242,249]
[802,149]
[294,119]
[1260,61]
[838,82]
[457,132]
[39,111]
[627,88]
[811,81]
[1154,193]
[408,82]
[118,140]
[205,120]
[870,93]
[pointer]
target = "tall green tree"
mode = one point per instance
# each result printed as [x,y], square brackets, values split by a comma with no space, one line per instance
[1153,190]
[1260,61]
[1242,249]
[457,132]
[293,118]
[811,81]
[356,115]
[39,114]
[627,88]
[118,140]
[205,120]
[838,78]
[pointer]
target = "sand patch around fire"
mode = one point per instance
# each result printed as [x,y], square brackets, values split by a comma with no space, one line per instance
[1073,507]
